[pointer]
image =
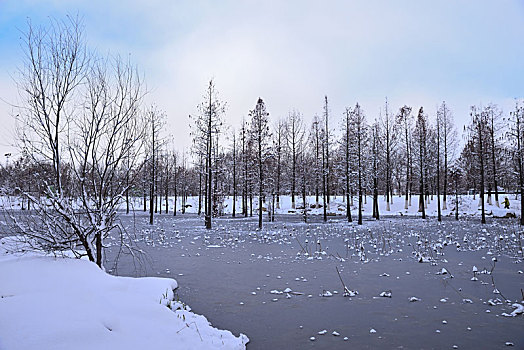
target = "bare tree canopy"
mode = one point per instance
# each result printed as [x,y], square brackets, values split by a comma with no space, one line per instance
[81,115]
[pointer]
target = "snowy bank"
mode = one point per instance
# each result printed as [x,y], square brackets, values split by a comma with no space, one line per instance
[61,303]
[469,206]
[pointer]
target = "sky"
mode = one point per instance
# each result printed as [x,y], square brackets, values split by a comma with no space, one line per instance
[292,54]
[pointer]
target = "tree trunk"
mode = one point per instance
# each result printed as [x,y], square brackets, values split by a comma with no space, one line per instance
[521,170]
[327,152]
[175,190]
[493,159]
[456,200]
[260,175]
[481,155]
[234,177]
[359,175]
[324,190]
[152,186]
[439,213]
[348,202]
[199,191]
[421,204]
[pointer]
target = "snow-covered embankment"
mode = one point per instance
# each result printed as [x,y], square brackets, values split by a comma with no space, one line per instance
[61,303]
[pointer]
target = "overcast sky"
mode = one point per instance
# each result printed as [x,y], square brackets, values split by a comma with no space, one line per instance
[292,53]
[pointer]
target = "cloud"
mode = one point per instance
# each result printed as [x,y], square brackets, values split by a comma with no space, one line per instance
[293,53]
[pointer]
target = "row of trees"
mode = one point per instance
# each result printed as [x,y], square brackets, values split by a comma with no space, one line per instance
[398,153]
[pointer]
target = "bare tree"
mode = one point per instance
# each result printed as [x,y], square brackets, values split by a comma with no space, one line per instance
[245,158]
[421,131]
[389,128]
[494,115]
[315,136]
[234,161]
[478,130]
[438,126]
[359,138]
[375,146]
[325,192]
[405,120]
[83,119]
[326,172]
[155,120]
[347,143]
[207,125]
[260,134]
[516,134]
[448,141]
[278,145]
[294,136]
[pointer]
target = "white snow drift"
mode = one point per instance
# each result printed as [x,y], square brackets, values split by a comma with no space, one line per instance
[61,303]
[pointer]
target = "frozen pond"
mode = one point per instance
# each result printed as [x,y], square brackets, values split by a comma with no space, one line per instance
[236,276]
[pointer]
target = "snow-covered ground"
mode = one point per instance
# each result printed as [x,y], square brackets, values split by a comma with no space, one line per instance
[62,303]
[468,206]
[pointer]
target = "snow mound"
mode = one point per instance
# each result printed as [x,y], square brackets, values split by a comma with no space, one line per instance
[61,303]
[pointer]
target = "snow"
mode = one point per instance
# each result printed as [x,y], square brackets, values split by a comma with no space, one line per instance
[63,303]
[468,206]
[386,294]
[519,310]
